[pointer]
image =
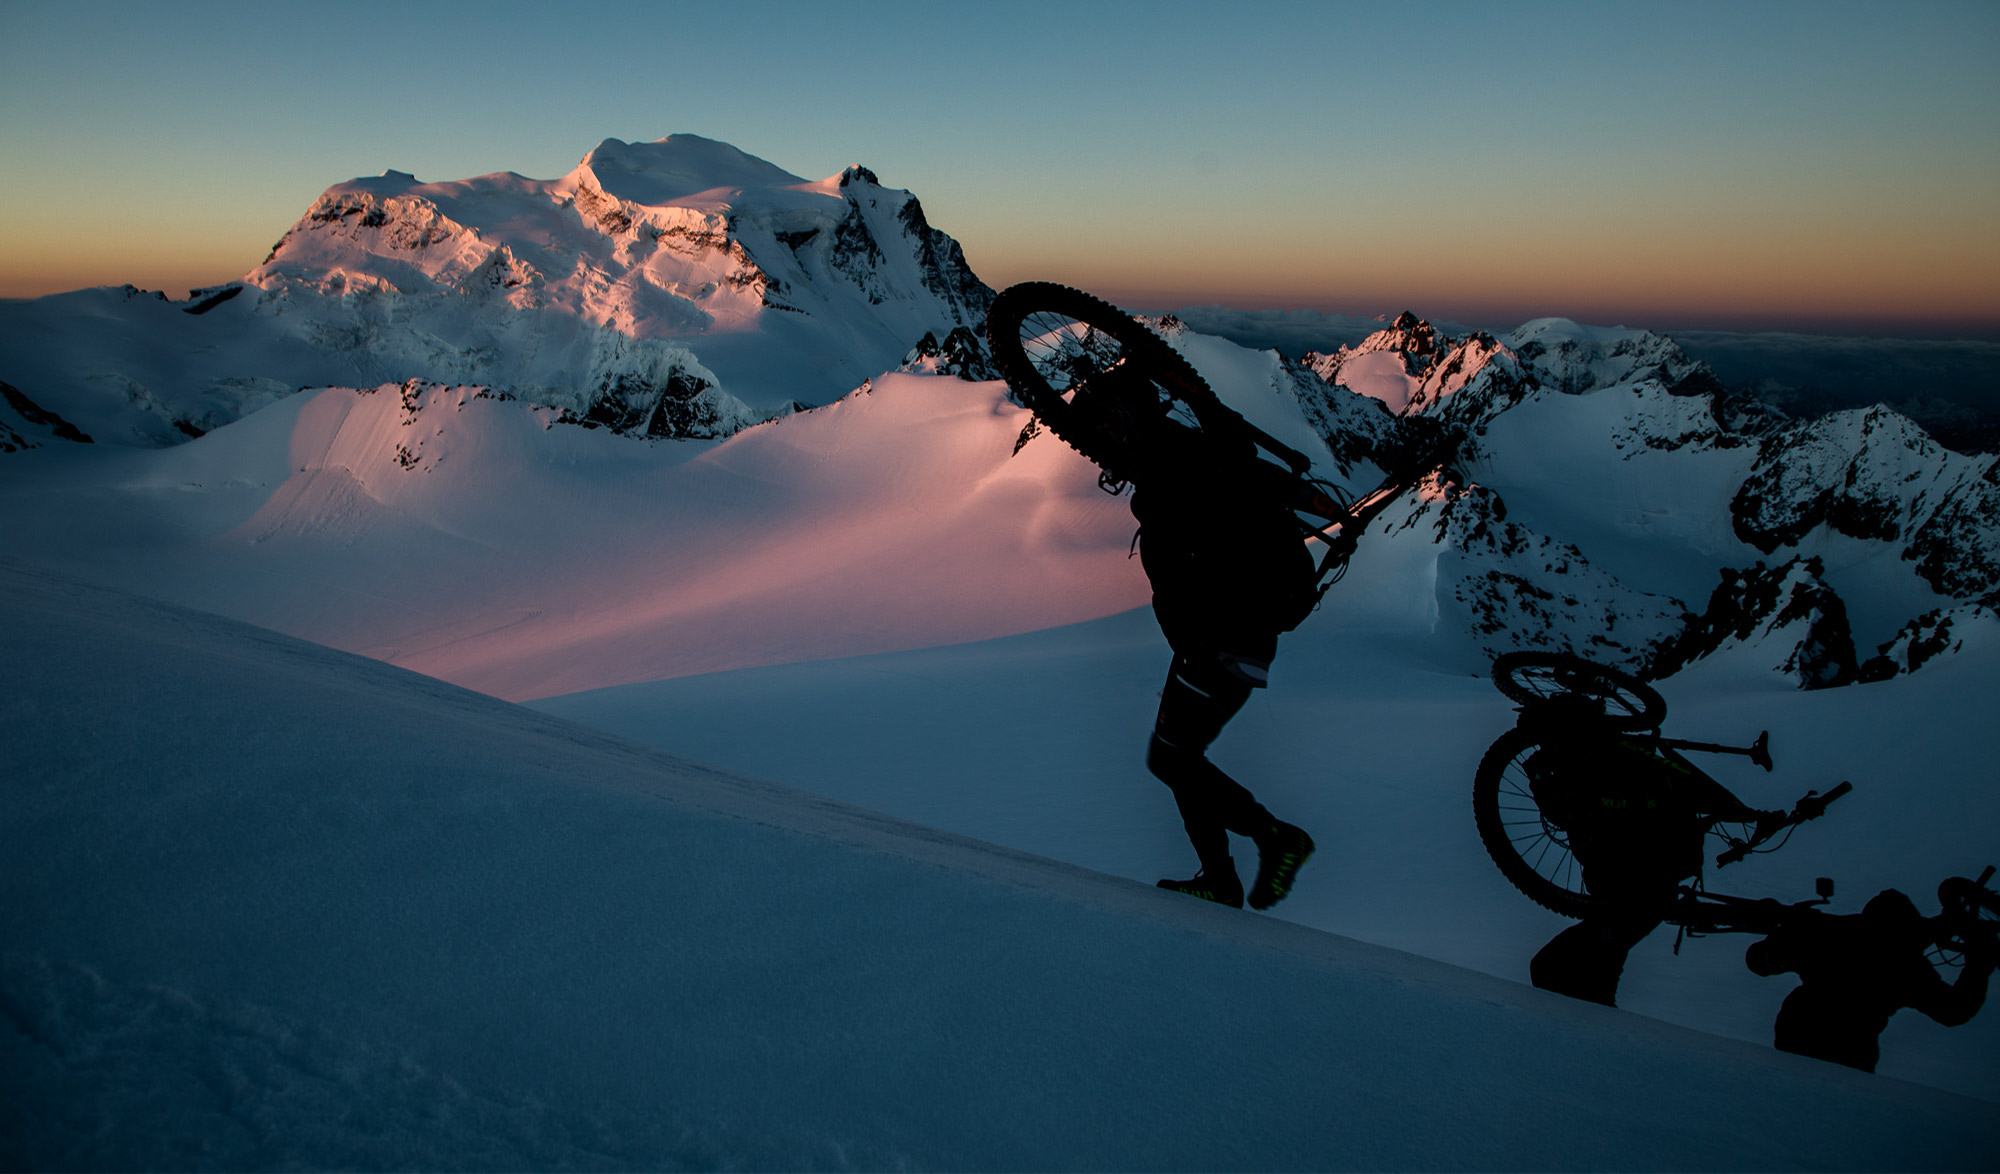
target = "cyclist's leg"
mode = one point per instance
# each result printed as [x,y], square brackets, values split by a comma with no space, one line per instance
[1587,960]
[1198,699]
[1837,1027]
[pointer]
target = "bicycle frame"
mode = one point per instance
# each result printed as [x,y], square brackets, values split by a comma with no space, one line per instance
[1356,516]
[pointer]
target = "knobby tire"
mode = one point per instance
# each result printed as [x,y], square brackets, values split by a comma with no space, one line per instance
[1053,346]
[1628,704]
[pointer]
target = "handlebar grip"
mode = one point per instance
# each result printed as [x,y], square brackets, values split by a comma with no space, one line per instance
[1814,806]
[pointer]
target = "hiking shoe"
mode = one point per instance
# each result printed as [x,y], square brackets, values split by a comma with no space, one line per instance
[1223,888]
[1281,852]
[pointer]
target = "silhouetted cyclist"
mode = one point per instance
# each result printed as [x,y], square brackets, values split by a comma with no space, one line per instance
[1636,823]
[1857,970]
[1230,573]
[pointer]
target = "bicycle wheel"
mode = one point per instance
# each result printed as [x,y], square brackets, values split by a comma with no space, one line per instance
[1090,371]
[1531,850]
[1626,702]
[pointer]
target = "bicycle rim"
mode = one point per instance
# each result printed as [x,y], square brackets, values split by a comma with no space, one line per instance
[1531,851]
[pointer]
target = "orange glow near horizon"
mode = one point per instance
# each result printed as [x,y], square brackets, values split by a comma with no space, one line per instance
[1848,263]
[1745,283]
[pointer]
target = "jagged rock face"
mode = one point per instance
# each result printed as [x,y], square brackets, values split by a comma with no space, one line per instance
[655,389]
[1866,473]
[962,353]
[1920,641]
[429,413]
[941,265]
[1476,380]
[1355,427]
[1410,344]
[1516,589]
[1667,421]
[31,423]
[1414,370]
[1759,603]
[1957,549]
[1574,359]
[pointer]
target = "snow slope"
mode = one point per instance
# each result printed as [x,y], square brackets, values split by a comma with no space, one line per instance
[268,905]
[486,541]
[1369,737]
[480,540]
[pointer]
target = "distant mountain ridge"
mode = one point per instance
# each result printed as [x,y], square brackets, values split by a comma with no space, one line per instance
[1862,491]
[1613,497]
[678,288]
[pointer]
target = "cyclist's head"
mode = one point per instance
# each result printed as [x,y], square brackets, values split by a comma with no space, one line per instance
[1892,913]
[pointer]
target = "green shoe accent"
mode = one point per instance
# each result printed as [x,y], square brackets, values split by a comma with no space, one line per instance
[1223,888]
[1281,852]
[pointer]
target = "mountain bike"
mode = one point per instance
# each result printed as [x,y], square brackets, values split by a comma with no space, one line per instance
[1969,922]
[1096,377]
[1512,798]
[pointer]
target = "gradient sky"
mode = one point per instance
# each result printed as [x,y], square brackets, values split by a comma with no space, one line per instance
[1820,166]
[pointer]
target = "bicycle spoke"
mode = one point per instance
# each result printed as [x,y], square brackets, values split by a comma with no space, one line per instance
[1541,856]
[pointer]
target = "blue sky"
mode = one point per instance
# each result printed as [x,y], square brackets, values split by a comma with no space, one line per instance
[1672,165]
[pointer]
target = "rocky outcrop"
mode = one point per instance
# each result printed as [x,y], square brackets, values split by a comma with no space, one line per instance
[1573,359]
[1865,473]
[32,422]
[1788,604]
[1957,548]
[1515,589]
[962,353]
[1922,640]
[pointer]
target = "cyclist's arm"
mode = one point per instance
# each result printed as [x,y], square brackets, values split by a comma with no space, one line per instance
[1957,1002]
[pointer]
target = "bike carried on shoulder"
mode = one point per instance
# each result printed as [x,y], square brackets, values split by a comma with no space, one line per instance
[1096,376]
[1518,814]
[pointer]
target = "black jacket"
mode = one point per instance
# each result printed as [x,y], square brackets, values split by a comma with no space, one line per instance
[1224,552]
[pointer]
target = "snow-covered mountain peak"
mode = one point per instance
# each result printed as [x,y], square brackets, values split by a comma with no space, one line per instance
[652,273]
[1574,357]
[1413,337]
[1413,368]
[673,169]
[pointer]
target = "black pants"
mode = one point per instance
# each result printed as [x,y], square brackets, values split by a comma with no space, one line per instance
[1586,960]
[1635,884]
[1199,698]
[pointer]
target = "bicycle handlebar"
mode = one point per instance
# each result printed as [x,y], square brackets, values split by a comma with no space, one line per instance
[1963,897]
[1812,806]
